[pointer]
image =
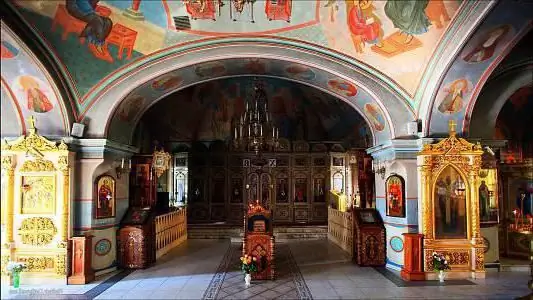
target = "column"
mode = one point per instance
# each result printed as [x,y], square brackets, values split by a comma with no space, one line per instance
[7,167]
[133,12]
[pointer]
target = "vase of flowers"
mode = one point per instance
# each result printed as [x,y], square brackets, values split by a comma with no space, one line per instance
[440,264]
[14,269]
[248,266]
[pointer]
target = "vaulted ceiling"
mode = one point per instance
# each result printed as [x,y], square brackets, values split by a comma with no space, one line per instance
[403,58]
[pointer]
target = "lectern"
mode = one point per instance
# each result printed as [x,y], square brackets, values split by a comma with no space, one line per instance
[413,265]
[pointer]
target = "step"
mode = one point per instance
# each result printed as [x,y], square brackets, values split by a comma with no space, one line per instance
[281,233]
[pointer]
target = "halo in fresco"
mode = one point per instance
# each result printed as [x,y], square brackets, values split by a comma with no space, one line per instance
[130,107]
[298,71]
[375,116]
[167,82]
[454,94]
[486,46]
[34,94]
[8,51]
[342,87]
[210,69]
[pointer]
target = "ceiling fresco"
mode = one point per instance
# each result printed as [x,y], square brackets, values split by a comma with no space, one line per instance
[26,91]
[300,112]
[395,37]
[131,109]
[469,71]
[10,120]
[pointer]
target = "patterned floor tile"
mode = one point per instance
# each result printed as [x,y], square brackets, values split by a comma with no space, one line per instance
[228,282]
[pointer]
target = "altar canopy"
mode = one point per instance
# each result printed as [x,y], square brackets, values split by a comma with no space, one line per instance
[449,172]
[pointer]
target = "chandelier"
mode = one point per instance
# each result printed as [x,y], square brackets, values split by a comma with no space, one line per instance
[254,130]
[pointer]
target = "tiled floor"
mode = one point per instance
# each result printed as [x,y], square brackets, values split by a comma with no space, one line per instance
[208,269]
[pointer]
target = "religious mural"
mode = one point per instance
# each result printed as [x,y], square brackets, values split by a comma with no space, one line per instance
[38,195]
[472,67]
[28,85]
[395,193]
[450,205]
[105,197]
[301,113]
[106,35]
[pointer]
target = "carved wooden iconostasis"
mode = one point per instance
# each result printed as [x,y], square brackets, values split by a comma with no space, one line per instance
[293,182]
[36,205]
[449,172]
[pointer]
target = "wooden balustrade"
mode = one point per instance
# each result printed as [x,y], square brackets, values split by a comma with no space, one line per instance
[171,230]
[340,229]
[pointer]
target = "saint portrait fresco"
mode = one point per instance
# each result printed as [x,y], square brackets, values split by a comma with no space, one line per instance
[167,82]
[374,114]
[130,107]
[453,100]
[105,201]
[36,93]
[300,72]
[300,190]
[342,87]
[487,46]
[395,186]
[450,205]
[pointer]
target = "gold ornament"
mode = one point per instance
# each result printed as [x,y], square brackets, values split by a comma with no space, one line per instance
[60,265]
[161,162]
[33,142]
[37,231]
[38,263]
[38,165]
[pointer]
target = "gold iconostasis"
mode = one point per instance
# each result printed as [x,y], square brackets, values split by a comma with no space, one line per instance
[449,190]
[36,189]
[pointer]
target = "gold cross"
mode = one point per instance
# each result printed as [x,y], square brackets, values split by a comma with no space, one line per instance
[31,120]
[451,126]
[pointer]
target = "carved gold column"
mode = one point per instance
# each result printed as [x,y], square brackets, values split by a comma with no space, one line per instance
[65,169]
[7,166]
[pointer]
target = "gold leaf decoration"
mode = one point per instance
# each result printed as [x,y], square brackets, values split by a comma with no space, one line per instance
[37,263]
[38,165]
[37,231]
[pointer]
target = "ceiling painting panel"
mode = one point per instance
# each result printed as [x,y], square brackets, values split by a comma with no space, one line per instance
[29,86]
[471,68]
[394,38]
[129,111]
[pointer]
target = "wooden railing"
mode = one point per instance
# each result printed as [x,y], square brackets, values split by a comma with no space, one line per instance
[340,229]
[171,230]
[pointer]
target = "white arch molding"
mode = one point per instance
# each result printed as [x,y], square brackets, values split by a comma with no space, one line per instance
[99,115]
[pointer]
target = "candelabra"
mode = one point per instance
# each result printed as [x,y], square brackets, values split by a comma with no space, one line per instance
[254,130]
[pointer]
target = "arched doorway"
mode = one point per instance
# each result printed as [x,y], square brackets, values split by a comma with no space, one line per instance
[321,137]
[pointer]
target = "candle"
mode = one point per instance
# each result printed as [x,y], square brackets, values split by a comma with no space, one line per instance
[240,129]
[235,132]
[122,164]
[261,129]
[129,163]
[249,130]
[273,132]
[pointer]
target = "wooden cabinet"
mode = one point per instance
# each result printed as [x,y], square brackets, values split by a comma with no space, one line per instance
[136,239]
[413,267]
[369,237]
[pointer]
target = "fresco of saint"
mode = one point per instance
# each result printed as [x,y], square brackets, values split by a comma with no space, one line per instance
[97,29]
[364,24]
[375,116]
[7,50]
[483,201]
[409,16]
[485,49]
[453,101]
[37,100]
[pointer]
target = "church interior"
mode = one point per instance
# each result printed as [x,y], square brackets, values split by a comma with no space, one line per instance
[266,149]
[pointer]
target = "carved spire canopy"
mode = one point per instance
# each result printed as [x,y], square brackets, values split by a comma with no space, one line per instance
[452,144]
[32,142]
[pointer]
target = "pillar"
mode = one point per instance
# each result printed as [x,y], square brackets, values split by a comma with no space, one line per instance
[8,168]
[133,12]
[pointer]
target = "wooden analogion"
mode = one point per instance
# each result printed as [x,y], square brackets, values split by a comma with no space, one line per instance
[449,172]
[259,240]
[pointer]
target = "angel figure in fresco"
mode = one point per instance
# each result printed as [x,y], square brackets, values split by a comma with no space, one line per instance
[365,26]
[97,29]
[36,98]
[409,16]
[453,101]
[485,50]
